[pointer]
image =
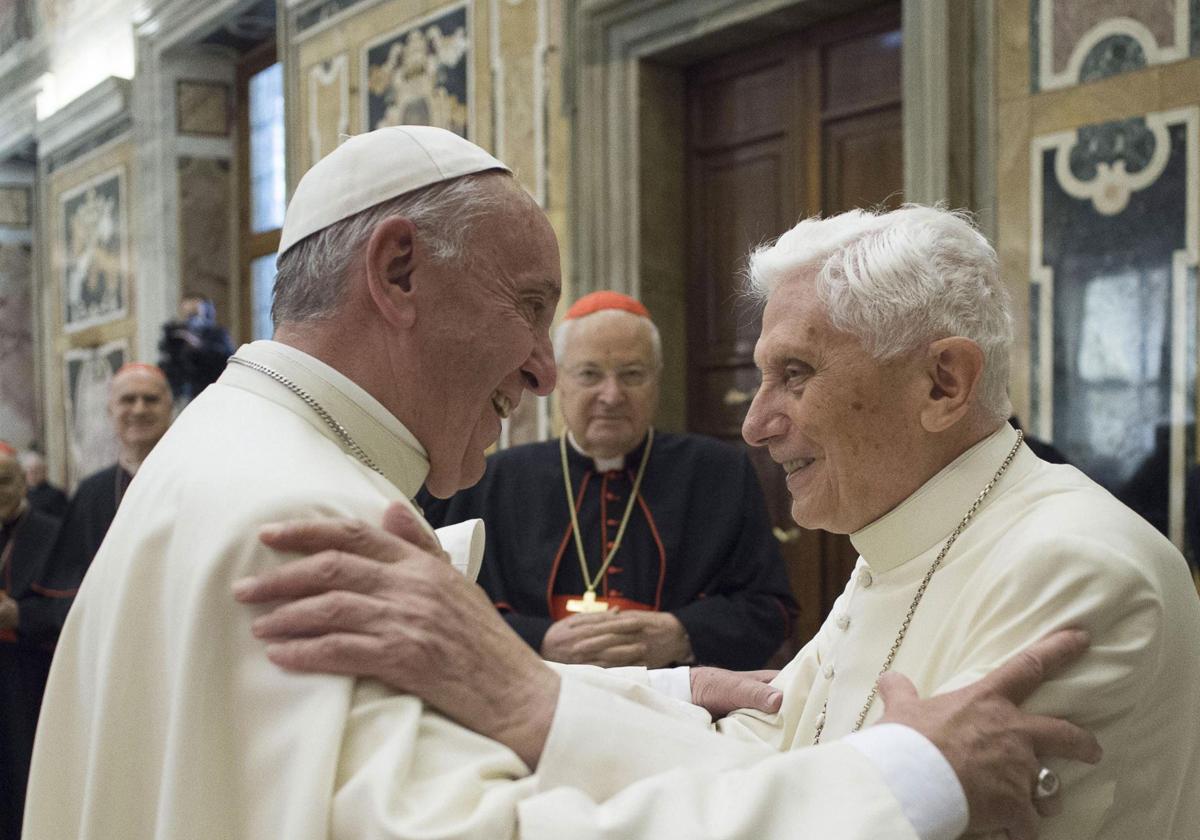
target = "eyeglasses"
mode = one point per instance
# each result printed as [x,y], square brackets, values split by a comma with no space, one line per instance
[590,376]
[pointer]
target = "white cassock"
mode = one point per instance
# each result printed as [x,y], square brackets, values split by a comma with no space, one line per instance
[164,719]
[1049,549]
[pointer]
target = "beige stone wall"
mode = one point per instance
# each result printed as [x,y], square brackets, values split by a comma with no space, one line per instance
[514,105]
[116,156]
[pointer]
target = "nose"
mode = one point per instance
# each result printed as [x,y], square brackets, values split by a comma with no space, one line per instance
[539,371]
[762,422]
[610,388]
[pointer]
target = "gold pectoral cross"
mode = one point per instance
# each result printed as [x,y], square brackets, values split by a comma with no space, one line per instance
[589,604]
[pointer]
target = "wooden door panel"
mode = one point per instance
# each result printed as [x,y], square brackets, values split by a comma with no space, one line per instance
[740,108]
[864,161]
[860,74]
[739,206]
[810,119]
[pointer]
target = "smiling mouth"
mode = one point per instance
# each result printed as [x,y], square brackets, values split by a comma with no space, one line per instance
[502,404]
[794,466]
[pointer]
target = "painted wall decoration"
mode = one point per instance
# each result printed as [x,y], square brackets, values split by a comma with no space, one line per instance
[1113,306]
[91,442]
[420,75]
[95,251]
[18,399]
[1075,41]
[328,105]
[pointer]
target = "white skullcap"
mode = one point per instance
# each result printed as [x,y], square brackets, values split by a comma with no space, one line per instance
[371,168]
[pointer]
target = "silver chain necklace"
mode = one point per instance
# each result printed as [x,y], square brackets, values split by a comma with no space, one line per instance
[337,428]
[912,609]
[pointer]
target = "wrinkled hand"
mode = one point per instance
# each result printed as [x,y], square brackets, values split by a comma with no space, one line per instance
[608,639]
[720,692]
[410,621]
[994,747]
[10,613]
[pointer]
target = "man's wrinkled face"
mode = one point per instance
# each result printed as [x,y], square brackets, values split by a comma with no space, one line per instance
[12,487]
[609,382]
[139,403]
[492,340]
[838,421]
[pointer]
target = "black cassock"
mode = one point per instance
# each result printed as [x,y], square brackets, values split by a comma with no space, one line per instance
[89,516]
[29,576]
[48,499]
[698,543]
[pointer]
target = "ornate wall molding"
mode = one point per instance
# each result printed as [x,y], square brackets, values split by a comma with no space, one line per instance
[330,79]
[1077,41]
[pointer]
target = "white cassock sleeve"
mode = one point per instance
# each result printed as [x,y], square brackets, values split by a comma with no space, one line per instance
[622,761]
[614,768]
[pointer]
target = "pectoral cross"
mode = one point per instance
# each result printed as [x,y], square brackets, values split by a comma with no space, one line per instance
[589,604]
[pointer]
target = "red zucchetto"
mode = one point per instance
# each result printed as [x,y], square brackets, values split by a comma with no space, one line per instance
[600,301]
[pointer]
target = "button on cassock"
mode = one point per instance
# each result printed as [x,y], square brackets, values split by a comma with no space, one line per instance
[864,578]
[842,621]
[828,670]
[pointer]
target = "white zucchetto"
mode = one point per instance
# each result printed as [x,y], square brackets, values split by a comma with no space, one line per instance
[375,167]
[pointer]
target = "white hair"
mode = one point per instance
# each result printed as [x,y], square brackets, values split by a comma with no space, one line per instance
[562,334]
[311,275]
[898,280]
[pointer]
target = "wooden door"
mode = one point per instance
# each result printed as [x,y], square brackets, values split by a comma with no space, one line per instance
[801,125]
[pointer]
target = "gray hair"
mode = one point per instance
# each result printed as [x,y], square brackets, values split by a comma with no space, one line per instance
[30,458]
[562,335]
[311,277]
[898,280]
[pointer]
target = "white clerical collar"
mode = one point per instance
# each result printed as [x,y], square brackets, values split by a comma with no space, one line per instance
[395,450]
[929,515]
[602,464]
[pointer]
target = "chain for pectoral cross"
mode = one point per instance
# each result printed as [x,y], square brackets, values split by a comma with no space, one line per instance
[912,609]
[589,603]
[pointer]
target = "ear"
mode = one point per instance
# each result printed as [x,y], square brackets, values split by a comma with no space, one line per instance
[954,369]
[390,262]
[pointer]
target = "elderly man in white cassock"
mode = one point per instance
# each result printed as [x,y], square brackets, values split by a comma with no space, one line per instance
[884,359]
[416,287]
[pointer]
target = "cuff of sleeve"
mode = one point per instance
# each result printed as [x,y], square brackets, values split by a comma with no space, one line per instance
[919,776]
[676,683]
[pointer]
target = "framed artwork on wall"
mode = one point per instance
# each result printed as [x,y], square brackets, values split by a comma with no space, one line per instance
[95,251]
[91,443]
[421,74]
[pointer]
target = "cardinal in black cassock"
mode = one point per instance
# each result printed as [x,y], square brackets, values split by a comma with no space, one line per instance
[670,537]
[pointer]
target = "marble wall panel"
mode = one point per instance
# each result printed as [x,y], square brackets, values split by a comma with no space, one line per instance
[1075,41]
[420,74]
[14,207]
[202,107]
[18,400]
[1113,257]
[206,244]
[91,442]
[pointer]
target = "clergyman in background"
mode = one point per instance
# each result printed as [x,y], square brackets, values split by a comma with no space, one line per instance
[617,543]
